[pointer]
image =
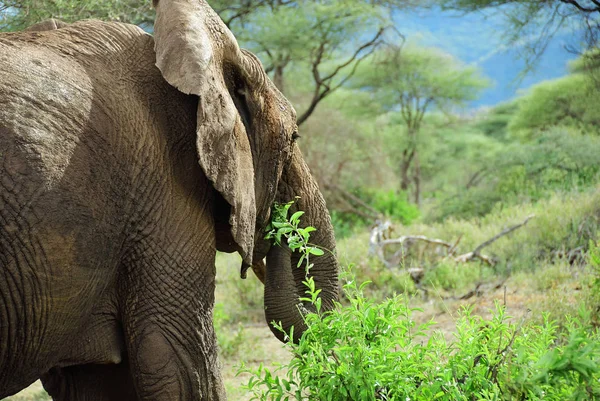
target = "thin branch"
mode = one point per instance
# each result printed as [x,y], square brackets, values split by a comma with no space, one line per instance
[502,234]
[582,8]
[371,43]
[476,178]
[323,85]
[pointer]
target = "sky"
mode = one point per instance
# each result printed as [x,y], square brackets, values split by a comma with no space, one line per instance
[476,39]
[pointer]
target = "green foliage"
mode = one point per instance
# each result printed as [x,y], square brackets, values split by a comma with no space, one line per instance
[454,277]
[495,123]
[569,101]
[375,351]
[282,227]
[19,14]
[30,395]
[531,24]
[319,42]
[230,338]
[593,259]
[558,160]
[242,300]
[390,204]
[413,78]
[346,224]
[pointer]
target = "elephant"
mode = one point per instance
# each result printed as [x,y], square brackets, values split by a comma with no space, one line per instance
[126,162]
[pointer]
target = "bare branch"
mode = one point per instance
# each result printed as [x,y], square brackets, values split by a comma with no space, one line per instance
[379,240]
[502,234]
[323,85]
[372,43]
[401,240]
[582,8]
[476,178]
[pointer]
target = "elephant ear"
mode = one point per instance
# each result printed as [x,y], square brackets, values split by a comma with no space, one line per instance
[197,54]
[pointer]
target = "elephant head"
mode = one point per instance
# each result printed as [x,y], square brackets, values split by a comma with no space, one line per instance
[245,141]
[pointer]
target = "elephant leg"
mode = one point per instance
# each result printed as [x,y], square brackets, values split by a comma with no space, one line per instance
[169,334]
[90,383]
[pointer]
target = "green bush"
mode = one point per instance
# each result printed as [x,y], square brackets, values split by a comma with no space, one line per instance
[346,224]
[559,160]
[230,338]
[388,203]
[391,204]
[451,276]
[495,123]
[367,350]
[375,351]
[569,101]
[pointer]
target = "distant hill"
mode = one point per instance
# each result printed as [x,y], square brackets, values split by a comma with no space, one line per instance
[475,38]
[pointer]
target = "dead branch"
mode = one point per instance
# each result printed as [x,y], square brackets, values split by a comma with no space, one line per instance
[404,238]
[470,256]
[380,239]
[504,232]
[476,253]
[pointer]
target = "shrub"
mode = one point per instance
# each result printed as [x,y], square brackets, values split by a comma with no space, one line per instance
[496,121]
[389,203]
[568,101]
[558,160]
[230,337]
[375,351]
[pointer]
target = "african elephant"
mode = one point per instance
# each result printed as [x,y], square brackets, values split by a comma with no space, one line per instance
[126,162]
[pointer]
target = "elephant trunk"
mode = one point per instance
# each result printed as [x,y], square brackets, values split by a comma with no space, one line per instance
[284,279]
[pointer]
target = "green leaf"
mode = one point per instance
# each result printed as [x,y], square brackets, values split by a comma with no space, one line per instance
[296,216]
[315,251]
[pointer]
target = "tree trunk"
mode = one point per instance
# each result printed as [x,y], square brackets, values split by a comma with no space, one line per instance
[407,157]
[417,179]
[278,79]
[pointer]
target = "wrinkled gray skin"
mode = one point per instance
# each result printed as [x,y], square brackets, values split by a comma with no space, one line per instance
[117,189]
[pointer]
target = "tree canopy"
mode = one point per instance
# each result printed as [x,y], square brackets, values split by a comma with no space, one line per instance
[409,81]
[531,24]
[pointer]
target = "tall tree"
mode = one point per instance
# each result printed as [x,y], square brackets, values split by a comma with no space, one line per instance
[327,39]
[410,81]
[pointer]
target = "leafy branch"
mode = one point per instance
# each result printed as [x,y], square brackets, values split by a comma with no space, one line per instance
[297,237]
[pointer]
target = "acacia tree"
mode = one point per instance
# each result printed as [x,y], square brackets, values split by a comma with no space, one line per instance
[543,19]
[410,81]
[325,39]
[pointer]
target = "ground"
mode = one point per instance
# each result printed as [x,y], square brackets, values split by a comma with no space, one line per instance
[525,295]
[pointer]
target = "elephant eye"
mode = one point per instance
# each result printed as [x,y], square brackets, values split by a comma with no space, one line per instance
[295,136]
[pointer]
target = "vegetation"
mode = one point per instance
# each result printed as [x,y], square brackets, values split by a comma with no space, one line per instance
[407,82]
[374,351]
[540,20]
[387,134]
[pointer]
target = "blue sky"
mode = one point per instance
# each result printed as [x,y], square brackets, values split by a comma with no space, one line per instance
[476,39]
